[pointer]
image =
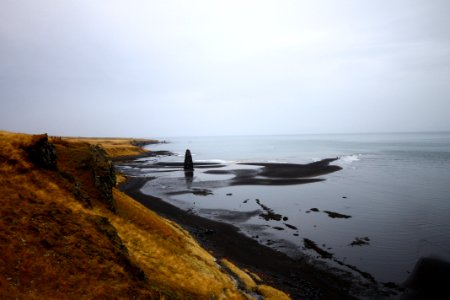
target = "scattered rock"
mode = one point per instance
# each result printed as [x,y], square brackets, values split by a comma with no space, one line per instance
[290,226]
[246,200]
[360,241]
[362,273]
[202,192]
[309,244]
[278,228]
[269,214]
[314,209]
[285,218]
[336,215]
[229,194]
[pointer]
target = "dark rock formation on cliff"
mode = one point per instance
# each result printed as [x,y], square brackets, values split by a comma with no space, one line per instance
[104,175]
[42,153]
[143,143]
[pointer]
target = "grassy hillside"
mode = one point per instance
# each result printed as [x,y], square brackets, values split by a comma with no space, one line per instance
[67,232]
[115,146]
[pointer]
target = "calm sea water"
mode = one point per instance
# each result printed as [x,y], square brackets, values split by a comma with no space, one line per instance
[395,187]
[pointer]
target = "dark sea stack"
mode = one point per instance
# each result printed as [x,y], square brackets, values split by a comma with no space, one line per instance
[189,178]
[42,153]
[188,163]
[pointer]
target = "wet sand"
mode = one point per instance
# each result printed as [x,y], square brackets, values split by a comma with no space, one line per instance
[269,174]
[285,170]
[302,277]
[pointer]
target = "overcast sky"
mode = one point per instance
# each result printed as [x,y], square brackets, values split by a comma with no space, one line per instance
[174,68]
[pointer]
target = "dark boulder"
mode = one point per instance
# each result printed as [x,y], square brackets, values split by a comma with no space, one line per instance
[42,153]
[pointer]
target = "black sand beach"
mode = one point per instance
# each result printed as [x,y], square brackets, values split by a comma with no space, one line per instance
[297,277]
[301,277]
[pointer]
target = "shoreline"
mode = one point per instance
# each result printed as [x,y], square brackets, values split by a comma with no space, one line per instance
[299,278]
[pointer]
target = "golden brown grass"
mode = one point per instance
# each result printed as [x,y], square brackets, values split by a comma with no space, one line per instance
[51,249]
[48,247]
[114,146]
[188,269]
[247,280]
[244,278]
[269,292]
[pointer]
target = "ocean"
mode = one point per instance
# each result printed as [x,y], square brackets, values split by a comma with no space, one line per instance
[394,188]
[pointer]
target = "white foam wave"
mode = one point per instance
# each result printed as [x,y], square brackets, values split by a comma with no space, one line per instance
[216,161]
[350,158]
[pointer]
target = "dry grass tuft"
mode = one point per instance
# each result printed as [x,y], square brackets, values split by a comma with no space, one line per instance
[247,282]
[270,293]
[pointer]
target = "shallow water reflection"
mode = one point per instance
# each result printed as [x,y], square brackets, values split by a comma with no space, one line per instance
[398,199]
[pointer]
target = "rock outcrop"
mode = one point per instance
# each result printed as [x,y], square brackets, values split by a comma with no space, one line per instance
[188,163]
[42,153]
[142,143]
[104,175]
